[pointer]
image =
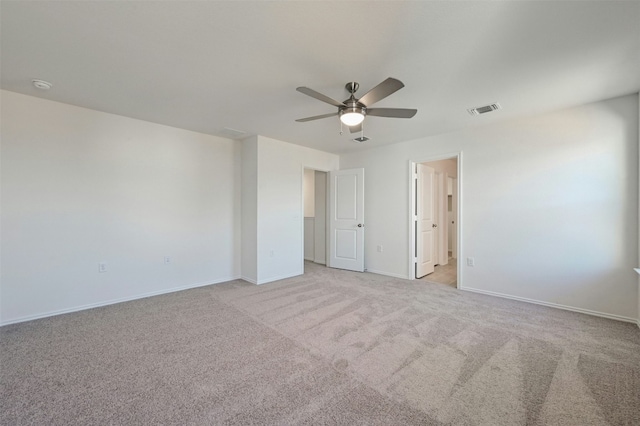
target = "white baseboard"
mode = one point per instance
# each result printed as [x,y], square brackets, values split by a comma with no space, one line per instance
[114,301]
[554,305]
[249,280]
[388,274]
[279,277]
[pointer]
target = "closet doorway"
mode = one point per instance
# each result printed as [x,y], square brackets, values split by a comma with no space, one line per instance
[315,216]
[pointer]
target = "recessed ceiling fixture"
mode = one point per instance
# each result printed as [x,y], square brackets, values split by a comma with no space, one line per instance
[484,109]
[353,111]
[41,84]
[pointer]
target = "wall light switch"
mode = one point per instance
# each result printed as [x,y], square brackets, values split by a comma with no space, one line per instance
[102,267]
[380,249]
[167,260]
[471,261]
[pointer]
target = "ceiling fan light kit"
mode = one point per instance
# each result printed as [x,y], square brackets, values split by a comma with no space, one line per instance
[353,111]
[352,116]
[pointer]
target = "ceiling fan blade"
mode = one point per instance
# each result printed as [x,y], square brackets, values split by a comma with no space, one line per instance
[316,117]
[319,96]
[392,112]
[381,91]
[355,129]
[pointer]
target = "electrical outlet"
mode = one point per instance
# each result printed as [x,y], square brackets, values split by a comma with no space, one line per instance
[102,267]
[380,249]
[471,261]
[167,260]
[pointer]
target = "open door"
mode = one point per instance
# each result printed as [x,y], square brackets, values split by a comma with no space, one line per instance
[346,219]
[425,225]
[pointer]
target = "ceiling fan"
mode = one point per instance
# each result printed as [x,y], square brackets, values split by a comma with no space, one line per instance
[352,111]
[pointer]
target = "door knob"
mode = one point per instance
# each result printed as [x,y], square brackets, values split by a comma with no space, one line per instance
[360,225]
[434,226]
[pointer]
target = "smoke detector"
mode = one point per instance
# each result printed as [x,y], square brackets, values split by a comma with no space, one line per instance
[484,109]
[41,84]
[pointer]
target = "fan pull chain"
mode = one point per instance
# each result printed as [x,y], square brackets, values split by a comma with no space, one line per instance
[340,127]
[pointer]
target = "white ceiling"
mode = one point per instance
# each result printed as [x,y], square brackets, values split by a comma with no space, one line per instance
[205,66]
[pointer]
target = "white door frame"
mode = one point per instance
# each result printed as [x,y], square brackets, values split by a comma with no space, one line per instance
[412,209]
[301,215]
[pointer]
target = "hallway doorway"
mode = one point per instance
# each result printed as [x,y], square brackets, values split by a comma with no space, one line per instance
[444,274]
[435,210]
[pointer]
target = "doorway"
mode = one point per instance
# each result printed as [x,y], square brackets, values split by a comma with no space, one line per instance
[435,225]
[314,196]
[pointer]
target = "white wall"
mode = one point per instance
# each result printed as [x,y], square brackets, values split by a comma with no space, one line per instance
[81,187]
[249,217]
[309,238]
[550,206]
[280,170]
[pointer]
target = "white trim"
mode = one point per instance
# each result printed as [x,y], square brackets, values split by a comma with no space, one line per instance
[552,305]
[459,221]
[279,277]
[114,301]
[389,274]
[249,280]
[638,321]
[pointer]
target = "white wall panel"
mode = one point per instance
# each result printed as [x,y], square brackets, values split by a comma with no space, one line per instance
[81,187]
[550,205]
[280,205]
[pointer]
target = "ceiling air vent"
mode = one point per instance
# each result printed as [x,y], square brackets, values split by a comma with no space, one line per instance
[360,139]
[484,109]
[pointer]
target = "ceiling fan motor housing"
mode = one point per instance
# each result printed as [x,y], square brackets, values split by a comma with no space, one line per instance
[352,105]
[358,109]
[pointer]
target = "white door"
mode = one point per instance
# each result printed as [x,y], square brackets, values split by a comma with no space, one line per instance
[346,219]
[425,235]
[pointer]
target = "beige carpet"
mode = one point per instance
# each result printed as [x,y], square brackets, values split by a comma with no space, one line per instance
[329,347]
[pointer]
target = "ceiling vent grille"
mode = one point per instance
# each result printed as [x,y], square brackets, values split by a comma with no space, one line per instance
[484,109]
[360,139]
